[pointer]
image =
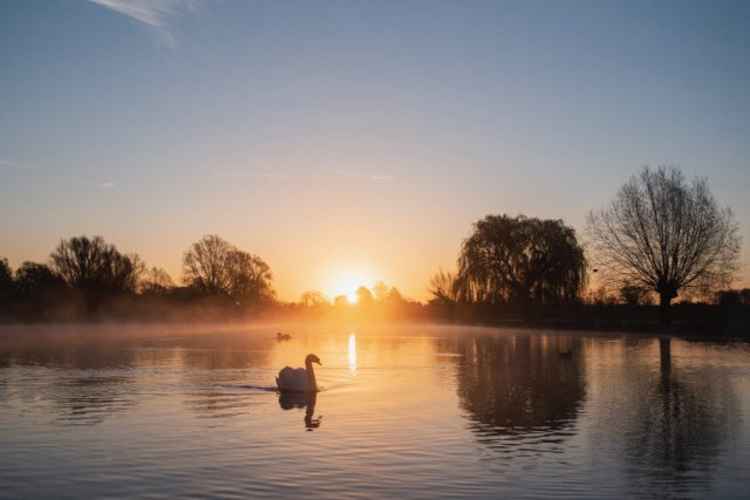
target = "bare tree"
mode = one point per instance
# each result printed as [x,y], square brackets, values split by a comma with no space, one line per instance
[666,235]
[216,267]
[249,278]
[205,265]
[443,287]
[93,265]
[156,281]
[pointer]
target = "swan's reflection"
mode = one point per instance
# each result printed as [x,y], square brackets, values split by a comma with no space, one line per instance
[306,400]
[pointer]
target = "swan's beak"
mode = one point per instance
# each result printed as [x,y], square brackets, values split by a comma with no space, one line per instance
[318,361]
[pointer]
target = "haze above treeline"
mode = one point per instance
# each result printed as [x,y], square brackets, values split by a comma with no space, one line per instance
[662,239]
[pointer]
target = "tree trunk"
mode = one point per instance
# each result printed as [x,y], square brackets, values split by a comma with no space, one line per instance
[665,299]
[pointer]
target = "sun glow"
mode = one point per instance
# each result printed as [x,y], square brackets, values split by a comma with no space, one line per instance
[346,284]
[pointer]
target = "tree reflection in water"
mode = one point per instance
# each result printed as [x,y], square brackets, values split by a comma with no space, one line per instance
[521,385]
[94,378]
[678,425]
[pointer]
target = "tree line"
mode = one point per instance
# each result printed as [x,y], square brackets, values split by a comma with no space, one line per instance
[87,277]
[381,302]
[661,237]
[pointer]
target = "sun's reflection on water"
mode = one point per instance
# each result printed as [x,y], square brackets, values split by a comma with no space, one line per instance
[352,353]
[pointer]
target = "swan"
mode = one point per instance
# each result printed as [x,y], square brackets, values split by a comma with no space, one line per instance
[299,379]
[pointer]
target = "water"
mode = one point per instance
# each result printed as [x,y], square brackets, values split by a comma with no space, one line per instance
[407,412]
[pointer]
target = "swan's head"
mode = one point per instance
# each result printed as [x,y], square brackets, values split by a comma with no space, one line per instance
[312,358]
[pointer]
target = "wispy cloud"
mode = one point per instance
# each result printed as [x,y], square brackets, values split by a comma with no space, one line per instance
[359,175]
[8,165]
[106,185]
[154,13]
[381,178]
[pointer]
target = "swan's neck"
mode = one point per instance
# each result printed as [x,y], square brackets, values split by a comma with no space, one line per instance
[312,385]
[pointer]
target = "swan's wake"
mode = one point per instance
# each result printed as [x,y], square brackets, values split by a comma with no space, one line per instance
[264,388]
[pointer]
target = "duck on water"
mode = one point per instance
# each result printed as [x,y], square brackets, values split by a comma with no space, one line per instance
[299,379]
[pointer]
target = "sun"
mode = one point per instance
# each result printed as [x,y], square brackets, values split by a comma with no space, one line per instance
[346,283]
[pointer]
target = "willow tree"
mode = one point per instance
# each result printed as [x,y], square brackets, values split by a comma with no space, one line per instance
[666,235]
[520,260]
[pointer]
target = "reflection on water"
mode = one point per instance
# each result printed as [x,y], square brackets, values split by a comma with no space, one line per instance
[521,384]
[90,398]
[303,400]
[422,412]
[352,353]
[679,426]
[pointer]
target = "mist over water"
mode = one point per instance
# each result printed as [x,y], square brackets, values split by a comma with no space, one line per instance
[407,411]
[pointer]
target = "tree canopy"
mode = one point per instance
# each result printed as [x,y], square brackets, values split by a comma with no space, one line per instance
[33,280]
[6,279]
[94,265]
[664,234]
[518,259]
[215,267]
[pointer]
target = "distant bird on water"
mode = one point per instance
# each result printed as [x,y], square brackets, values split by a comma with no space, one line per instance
[283,336]
[299,379]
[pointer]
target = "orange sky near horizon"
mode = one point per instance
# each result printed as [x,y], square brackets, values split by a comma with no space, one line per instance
[355,142]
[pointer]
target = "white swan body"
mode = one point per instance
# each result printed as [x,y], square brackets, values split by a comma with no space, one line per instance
[299,379]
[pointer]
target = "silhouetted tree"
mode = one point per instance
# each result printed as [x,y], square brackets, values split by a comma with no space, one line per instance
[665,235]
[600,296]
[313,299]
[34,280]
[519,259]
[634,295]
[156,281]
[249,278]
[394,298]
[364,297]
[205,265]
[40,292]
[341,302]
[733,297]
[96,267]
[443,287]
[215,267]
[6,280]
[380,291]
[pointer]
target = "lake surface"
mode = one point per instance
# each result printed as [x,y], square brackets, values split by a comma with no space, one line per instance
[406,412]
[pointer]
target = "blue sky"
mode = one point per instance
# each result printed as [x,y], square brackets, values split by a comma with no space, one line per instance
[354,137]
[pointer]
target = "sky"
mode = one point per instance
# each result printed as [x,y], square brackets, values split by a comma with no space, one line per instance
[353,141]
